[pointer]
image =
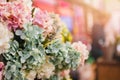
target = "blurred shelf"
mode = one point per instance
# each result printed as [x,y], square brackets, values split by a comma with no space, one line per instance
[108,70]
[87,6]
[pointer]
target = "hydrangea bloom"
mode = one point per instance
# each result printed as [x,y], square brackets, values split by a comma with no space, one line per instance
[15,14]
[46,70]
[34,52]
[31,75]
[48,21]
[80,47]
[5,37]
[43,20]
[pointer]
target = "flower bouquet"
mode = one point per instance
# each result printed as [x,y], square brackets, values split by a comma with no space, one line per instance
[31,45]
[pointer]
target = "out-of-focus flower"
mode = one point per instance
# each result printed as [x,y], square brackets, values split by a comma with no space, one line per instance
[43,20]
[31,75]
[40,53]
[87,72]
[28,3]
[66,35]
[46,70]
[80,47]
[5,37]
[14,13]
[57,25]
[2,1]
[40,18]
[65,74]
[1,70]
[48,21]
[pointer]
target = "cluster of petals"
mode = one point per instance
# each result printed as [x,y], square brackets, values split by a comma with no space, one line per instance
[80,47]
[14,13]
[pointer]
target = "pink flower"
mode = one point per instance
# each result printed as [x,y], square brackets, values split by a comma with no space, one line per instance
[1,70]
[43,20]
[50,22]
[80,47]
[40,18]
[14,14]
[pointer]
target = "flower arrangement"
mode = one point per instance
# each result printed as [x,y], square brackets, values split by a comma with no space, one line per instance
[31,45]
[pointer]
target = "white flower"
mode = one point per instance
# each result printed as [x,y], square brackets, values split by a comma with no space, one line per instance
[31,75]
[80,47]
[5,36]
[46,70]
[28,3]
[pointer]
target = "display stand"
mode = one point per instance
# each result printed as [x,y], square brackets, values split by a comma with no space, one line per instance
[108,70]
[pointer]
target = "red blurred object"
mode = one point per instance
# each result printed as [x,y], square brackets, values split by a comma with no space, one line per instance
[79,23]
[64,8]
[43,5]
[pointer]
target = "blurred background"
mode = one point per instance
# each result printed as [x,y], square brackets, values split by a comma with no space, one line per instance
[97,24]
